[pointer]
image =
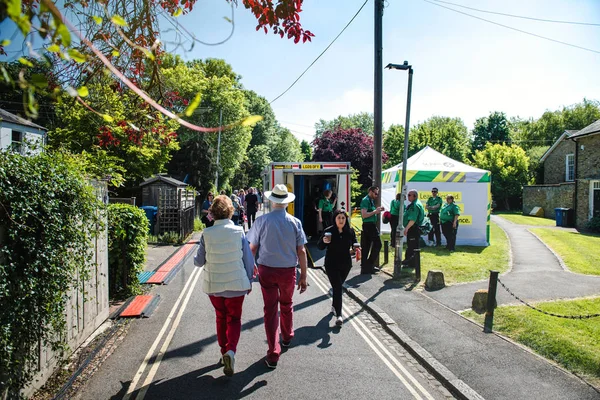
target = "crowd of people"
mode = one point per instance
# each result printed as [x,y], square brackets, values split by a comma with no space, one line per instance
[275,246]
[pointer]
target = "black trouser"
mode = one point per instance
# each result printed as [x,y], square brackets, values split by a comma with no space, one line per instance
[394,225]
[435,228]
[337,276]
[251,218]
[235,219]
[412,243]
[449,234]
[371,244]
[326,217]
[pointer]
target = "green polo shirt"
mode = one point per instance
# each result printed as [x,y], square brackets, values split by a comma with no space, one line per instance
[434,201]
[414,212]
[448,212]
[368,204]
[395,207]
[325,205]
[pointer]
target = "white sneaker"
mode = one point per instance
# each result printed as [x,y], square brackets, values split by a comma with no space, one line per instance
[339,321]
[228,363]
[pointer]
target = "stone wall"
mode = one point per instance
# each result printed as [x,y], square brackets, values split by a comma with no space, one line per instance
[587,170]
[555,163]
[548,197]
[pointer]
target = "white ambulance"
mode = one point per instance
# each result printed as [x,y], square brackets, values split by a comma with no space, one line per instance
[308,181]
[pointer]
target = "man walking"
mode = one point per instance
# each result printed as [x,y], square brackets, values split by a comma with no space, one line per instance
[279,240]
[251,207]
[413,218]
[369,239]
[434,203]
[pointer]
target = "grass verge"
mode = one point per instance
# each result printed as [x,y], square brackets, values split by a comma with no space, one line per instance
[574,344]
[579,251]
[466,264]
[520,219]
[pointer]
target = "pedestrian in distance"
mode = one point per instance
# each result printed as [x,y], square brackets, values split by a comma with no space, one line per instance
[395,216]
[340,241]
[325,210]
[449,219]
[251,207]
[414,214]
[434,204]
[279,239]
[370,241]
[260,199]
[227,272]
[235,201]
[207,218]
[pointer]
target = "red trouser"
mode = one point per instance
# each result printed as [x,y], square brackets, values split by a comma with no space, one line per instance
[277,285]
[229,324]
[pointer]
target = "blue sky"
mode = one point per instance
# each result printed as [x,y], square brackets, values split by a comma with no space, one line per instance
[464,67]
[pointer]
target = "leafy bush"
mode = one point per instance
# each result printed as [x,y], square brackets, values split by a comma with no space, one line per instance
[170,238]
[593,224]
[127,237]
[48,212]
[198,225]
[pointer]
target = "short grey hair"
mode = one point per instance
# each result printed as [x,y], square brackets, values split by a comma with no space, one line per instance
[278,205]
[414,191]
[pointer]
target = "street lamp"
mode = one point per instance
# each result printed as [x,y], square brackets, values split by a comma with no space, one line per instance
[400,229]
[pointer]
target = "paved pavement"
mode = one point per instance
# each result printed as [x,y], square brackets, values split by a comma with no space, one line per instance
[401,330]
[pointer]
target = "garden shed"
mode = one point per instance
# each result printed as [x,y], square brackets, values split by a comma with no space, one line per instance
[174,201]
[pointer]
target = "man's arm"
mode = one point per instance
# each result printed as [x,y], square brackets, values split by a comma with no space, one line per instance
[408,226]
[253,249]
[200,258]
[301,251]
[366,214]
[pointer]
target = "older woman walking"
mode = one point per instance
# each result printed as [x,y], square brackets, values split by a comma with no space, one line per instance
[339,239]
[228,270]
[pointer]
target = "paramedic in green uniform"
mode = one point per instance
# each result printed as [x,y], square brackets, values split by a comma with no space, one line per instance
[434,203]
[325,209]
[449,219]
[395,212]
[369,239]
[414,214]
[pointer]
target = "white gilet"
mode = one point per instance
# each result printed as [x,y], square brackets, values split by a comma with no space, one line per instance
[224,268]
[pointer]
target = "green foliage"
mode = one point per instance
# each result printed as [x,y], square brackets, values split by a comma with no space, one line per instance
[356,191]
[48,217]
[306,150]
[509,166]
[363,120]
[393,145]
[447,135]
[286,147]
[170,238]
[536,167]
[593,224]
[198,225]
[127,238]
[264,131]
[494,129]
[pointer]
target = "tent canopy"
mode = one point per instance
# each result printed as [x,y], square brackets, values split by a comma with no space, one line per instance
[429,165]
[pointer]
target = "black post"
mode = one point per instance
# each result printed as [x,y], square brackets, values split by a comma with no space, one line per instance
[491,302]
[417,257]
[386,250]
[378,99]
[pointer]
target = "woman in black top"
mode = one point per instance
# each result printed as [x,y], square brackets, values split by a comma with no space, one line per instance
[338,258]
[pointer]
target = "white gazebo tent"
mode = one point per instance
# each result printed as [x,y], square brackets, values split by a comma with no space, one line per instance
[470,187]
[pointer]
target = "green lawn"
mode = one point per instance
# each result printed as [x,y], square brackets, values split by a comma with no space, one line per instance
[520,219]
[579,251]
[466,264]
[574,344]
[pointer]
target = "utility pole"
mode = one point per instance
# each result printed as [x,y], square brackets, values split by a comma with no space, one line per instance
[219,149]
[377,112]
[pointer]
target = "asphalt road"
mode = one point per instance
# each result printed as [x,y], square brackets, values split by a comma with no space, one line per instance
[174,353]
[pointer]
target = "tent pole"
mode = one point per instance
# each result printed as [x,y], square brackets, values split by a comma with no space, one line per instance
[400,229]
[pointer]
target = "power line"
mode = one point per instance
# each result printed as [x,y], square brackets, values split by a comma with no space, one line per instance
[323,52]
[519,16]
[515,29]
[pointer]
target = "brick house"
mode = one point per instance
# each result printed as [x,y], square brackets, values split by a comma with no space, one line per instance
[571,176]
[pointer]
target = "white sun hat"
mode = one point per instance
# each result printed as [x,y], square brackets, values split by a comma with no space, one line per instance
[280,195]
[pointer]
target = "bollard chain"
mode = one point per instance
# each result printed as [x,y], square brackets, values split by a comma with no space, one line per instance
[546,312]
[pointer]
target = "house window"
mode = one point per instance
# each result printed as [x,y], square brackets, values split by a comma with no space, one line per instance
[570,167]
[17,141]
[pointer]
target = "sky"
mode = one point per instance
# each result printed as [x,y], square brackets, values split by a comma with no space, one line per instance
[463,67]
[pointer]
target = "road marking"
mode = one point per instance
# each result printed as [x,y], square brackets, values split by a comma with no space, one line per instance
[167,342]
[374,342]
[146,361]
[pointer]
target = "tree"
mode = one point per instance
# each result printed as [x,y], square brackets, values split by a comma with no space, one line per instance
[286,147]
[447,135]
[393,145]
[351,145]
[264,131]
[363,121]
[509,166]
[249,172]
[494,129]
[306,150]
[536,167]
